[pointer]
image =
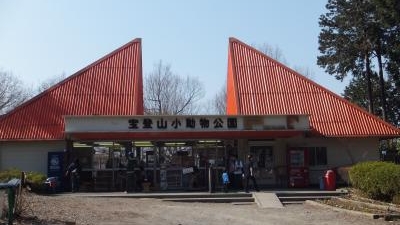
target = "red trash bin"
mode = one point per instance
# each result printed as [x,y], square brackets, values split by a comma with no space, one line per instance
[330,180]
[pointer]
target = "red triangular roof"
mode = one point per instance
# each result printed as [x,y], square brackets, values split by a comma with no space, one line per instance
[110,86]
[257,84]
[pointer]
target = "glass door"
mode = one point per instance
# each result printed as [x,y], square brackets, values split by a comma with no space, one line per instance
[263,156]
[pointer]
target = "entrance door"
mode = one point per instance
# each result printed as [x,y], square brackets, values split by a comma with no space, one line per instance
[263,155]
[298,167]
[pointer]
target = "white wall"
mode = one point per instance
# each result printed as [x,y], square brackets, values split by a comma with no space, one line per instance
[352,150]
[340,152]
[28,155]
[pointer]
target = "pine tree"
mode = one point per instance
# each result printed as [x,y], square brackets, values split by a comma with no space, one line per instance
[354,33]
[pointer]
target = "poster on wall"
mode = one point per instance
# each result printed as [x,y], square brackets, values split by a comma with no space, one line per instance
[55,162]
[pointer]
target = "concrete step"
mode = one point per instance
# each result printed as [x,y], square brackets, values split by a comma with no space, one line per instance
[202,195]
[301,198]
[292,203]
[285,197]
[167,195]
[309,193]
[243,203]
[213,200]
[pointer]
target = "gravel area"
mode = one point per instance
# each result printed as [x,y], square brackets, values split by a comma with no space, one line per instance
[70,209]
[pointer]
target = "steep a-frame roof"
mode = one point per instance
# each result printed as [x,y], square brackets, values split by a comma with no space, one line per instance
[257,84]
[110,86]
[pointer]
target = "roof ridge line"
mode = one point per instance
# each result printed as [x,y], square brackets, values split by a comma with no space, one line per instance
[232,66]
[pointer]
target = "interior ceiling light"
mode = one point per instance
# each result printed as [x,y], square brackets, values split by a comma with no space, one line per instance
[106,143]
[81,145]
[209,141]
[142,144]
[175,143]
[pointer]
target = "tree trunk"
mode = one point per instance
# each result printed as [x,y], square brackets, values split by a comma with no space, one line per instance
[382,83]
[369,83]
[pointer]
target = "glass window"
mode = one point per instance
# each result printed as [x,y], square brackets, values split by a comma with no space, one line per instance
[262,155]
[318,156]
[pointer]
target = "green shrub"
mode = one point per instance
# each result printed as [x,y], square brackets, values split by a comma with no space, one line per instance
[378,180]
[6,175]
[34,179]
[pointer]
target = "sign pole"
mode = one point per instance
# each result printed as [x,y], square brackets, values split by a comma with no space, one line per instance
[210,179]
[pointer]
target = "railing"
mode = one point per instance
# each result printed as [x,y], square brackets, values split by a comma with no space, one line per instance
[114,179]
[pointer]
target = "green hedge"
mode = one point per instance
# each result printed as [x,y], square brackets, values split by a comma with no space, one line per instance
[6,175]
[378,180]
[34,179]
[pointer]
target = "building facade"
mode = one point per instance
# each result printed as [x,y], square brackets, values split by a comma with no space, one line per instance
[295,128]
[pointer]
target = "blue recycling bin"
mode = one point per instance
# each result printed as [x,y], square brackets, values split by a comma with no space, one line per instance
[321,183]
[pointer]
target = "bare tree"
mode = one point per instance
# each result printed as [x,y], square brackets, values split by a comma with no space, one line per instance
[219,101]
[50,82]
[12,92]
[273,52]
[166,93]
[305,71]
[277,54]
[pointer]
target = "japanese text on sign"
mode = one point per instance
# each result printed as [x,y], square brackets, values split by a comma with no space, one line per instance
[178,123]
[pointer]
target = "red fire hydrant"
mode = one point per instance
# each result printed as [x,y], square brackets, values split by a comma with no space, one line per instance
[330,180]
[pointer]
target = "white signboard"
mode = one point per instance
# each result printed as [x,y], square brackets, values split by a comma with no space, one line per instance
[184,123]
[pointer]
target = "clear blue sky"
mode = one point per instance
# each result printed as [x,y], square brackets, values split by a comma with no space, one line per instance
[43,39]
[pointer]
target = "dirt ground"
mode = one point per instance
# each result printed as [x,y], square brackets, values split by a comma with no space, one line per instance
[67,209]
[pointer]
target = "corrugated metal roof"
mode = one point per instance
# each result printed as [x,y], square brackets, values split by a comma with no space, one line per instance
[257,84]
[110,86]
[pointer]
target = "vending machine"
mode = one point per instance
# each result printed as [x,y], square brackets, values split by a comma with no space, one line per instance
[298,167]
